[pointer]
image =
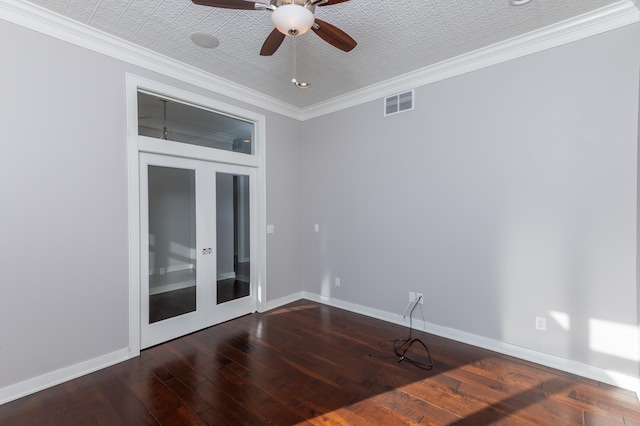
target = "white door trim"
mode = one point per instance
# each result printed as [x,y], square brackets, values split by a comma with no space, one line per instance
[137,143]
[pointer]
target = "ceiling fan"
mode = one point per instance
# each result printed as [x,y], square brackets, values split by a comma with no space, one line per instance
[290,17]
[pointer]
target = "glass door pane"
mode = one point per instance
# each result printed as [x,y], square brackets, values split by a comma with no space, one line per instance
[233,246]
[172,242]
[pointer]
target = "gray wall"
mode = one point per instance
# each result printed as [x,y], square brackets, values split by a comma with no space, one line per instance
[285,175]
[509,193]
[63,180]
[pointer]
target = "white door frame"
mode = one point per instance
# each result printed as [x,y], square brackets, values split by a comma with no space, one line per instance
[136,144]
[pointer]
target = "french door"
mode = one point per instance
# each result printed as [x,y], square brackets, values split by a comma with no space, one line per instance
[196,240]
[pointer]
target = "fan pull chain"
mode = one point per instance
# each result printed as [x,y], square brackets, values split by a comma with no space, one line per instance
[301,84]
[293,80]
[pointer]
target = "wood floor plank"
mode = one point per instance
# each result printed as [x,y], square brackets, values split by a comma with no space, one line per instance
[225,406]
[444,397]
[256,400]
[30,410]
[120,396]
[214,417]
[98,412]
[189,397]
[175,366]
[376,413]
[340,417]
[515,398]
[156,397]
[415,409]
[631,421]
[306,363]
[6,418]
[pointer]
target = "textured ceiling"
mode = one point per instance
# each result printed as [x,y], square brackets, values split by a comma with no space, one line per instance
[394,37]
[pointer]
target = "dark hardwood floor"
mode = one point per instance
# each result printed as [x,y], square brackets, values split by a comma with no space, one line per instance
[177,302]
[307,363]
[172,304]
[235,288]
[232,289]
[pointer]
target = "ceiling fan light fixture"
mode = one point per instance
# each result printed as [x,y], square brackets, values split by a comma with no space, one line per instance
[292,19]
[519,2]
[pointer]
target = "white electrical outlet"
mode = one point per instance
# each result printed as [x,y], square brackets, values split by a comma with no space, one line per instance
[316,227]
[412,296]
[337,282]
[421,297]
[541,323]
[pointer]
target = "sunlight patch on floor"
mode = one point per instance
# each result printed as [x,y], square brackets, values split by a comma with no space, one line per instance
[291,309]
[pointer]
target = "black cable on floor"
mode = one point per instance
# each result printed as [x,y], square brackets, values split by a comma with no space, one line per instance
[402,346]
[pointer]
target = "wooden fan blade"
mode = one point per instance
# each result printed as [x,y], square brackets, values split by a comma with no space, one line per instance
[334,36]
[227,4]
[330,2]
[271,44]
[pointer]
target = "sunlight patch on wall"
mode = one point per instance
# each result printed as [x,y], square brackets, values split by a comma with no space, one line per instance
[613,338]
[181,249]
[562,319]
[325,285]
[533,263]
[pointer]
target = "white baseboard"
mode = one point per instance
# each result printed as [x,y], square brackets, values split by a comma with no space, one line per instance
[171,287]
[226,276]
[276,303]
[27,387]
[595,373]
[169,269]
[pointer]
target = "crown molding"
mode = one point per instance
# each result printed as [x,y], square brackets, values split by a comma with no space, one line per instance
[46,22]
[28,15]
[599,21]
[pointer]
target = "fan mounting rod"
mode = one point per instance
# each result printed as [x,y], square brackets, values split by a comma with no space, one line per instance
[307,4]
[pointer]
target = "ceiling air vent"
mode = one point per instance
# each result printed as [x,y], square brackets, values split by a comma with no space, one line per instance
[400,102]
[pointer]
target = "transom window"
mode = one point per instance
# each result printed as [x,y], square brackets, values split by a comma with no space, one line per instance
[163,118]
